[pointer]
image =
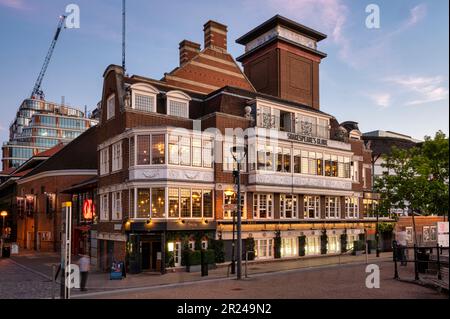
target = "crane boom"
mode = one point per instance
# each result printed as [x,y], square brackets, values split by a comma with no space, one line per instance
[37,92]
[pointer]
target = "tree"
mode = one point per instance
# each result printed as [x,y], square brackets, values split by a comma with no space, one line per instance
[416,178]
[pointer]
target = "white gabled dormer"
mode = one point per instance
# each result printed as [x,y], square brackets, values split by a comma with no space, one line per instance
[178,104]
[143,97]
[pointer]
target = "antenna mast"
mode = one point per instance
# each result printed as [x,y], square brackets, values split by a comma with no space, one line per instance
[123,33]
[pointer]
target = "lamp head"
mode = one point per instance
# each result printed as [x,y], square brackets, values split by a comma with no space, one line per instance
[4,213]
[239,153]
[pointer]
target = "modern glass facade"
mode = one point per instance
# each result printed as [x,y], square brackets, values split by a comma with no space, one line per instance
[40,125]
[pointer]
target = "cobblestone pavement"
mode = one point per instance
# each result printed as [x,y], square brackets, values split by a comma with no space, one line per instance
[17,282]
[344,281]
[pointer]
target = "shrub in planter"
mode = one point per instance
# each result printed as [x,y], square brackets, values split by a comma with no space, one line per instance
[301,245]
[323,242]
[219,251]
[170,260]
[344,242]
[277,244]
[250,247]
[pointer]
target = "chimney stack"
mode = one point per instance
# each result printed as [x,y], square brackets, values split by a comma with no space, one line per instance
[188,50]
[215,35]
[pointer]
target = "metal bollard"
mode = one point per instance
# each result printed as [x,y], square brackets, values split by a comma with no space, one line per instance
[439,263]
[53,281]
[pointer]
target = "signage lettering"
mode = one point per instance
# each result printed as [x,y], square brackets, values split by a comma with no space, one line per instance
[308,139]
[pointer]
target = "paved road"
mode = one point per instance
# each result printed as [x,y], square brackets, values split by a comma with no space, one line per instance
[330,282]
[19,283]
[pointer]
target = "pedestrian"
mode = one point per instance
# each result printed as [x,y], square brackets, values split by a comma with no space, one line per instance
[402,245]
[84,264]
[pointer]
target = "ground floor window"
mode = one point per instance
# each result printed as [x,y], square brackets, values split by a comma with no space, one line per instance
[289,247]
[312,245]
[334,244]
[264,248]
[351,238]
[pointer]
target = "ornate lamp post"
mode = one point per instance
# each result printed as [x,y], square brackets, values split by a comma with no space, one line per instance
[3,214]
[239,153]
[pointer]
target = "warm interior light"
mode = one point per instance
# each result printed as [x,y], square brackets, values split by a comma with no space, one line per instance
[4,213]
[229,192]
[170,247]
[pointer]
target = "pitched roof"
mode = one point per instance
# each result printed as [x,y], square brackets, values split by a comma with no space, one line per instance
[80,153]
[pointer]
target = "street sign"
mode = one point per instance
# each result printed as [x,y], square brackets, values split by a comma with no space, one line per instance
[231,207]
[442,234]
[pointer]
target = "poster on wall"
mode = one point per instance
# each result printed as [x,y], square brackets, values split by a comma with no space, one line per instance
[442,234]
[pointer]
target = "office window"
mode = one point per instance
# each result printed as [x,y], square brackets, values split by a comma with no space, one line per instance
[104,161]
[311,207]
[117,205]
[158,149]
[262,206]
[143,203]
[110,107]
[117,157]
[288,206]
[143,149]
[158,202]
[104,207]
[332,207]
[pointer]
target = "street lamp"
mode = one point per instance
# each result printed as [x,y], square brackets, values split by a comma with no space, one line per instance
[239,153]
[230,193]
[3,214]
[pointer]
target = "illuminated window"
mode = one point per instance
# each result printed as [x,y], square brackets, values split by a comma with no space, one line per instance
[312,246]
[185,202]
[332,207]
[117,205]
[174,203]
[104,207]
[230,198]
[334,244]
[263,248]
[289,247]
[158,202]
[196,203]
[262,206]
[283,157]
[288,206]
[143,149]
[311,207]
[351,207]
[143,203]
[158,149]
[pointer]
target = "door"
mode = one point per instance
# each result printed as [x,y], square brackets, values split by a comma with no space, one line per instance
[156,248]
[29,238]
[145,255]
[177,254]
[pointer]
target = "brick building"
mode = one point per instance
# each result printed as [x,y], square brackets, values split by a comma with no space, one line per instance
[166,170]
[40,193]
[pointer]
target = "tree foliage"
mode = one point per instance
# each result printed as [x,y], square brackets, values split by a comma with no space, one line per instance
[416,178]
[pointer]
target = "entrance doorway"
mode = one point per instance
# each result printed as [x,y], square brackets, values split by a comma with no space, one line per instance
[150,251]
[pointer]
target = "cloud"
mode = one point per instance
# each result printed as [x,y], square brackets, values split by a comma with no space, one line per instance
[328,16]
[381,99]
[416,15]
[424,89]
[14,4]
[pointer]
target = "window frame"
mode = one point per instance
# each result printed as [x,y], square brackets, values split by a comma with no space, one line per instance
[110,107]
[117,157]
[179,97]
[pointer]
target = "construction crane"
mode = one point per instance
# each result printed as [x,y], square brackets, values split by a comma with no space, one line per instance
[37,92]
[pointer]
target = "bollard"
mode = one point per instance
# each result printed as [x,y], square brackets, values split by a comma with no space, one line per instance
[395,248]
[439,263]
[416,268]
[53,281]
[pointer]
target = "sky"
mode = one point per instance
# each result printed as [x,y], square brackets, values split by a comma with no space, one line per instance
[394,77]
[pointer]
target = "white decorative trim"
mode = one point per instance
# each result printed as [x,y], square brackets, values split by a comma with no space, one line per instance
[178,173]
[194,83]
[111,236]
[216,69]
[69,172]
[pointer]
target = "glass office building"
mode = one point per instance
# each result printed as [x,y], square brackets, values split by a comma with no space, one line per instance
[39,125]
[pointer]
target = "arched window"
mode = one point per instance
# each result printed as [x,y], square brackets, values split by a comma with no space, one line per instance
[143,97]
[178,104]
